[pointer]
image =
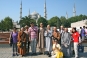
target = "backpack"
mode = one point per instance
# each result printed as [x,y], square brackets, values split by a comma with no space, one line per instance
[11,39]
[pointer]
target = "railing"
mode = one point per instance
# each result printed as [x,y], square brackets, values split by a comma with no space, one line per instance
[4,38]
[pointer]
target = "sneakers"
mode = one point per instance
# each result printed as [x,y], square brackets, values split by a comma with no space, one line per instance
[17,54]
[49,55]
[13,54]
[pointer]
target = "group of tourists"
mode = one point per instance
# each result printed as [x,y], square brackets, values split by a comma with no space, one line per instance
[56,43]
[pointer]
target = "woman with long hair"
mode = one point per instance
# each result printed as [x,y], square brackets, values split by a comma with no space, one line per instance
[75,36]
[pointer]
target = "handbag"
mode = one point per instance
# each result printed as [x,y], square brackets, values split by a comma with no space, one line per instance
[80,48]
[21,44]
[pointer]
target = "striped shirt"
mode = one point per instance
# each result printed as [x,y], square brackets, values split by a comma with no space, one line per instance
[33,32]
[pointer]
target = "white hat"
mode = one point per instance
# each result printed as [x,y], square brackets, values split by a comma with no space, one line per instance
[26,26]
[58,46]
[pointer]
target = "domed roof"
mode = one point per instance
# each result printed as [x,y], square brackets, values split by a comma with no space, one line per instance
[34,13]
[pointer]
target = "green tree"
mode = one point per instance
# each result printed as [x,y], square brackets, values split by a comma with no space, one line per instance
[67,24]
[26,21]
[63,20]
[8,23]
[2,26]
[42,20]
[55,21]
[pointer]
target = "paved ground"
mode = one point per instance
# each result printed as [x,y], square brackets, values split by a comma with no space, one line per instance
[6,52]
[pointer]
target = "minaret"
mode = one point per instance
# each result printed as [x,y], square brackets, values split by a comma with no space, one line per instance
[45,11]
[74,11]
[21,10]
[66,15]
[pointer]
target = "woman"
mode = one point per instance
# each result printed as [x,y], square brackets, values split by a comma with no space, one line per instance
[48,34]
[22,40]
[14,36]
[41,41]
[66,43]
[56,35]
[75,36]
[27,39]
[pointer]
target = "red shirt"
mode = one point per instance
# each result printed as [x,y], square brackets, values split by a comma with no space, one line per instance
[75,37]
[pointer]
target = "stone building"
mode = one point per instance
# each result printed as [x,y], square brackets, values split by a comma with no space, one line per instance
[79,23]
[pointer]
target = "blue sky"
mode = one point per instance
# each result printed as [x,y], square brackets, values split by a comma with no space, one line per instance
[58,8]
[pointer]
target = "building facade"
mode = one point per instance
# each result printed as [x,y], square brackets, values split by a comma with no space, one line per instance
[79,23]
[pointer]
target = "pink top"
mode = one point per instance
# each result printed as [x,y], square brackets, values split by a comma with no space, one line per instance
[85,31]
[33,32]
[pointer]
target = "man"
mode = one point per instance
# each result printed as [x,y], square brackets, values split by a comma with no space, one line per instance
[41,41]
[33,32]
[48,34]
[56,35]
[61,29]
[83,33]
[66,43]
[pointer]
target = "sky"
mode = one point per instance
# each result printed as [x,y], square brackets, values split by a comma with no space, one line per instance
[58,8]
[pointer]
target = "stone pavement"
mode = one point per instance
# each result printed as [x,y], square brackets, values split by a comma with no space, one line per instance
[6,52]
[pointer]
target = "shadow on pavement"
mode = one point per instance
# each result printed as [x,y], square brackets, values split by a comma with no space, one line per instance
[30,54]
[83,54]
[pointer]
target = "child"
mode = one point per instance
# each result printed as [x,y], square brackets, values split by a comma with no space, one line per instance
[59,52]
[56,50]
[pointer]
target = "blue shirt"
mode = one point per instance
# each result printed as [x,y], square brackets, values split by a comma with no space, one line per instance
[83,32]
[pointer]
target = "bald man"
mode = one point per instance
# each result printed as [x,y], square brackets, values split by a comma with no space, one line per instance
[66,43]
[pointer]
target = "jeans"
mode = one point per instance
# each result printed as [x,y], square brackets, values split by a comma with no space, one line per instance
[14,47]
[76,49]
[33,45]
[83,37]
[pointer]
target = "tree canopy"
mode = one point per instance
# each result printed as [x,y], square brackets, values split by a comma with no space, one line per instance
[6,24]
[55,21]
[26,21]
[42,20]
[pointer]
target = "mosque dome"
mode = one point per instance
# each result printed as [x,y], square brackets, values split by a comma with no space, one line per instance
[34,13]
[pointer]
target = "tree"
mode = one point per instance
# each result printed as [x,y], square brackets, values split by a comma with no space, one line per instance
[55,21]
[8,23]
[2,25]
[63,20]
[67,24]
[42,20]
[26,21]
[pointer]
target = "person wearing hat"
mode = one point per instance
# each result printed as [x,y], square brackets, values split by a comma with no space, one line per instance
[27,39]
[22,40]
